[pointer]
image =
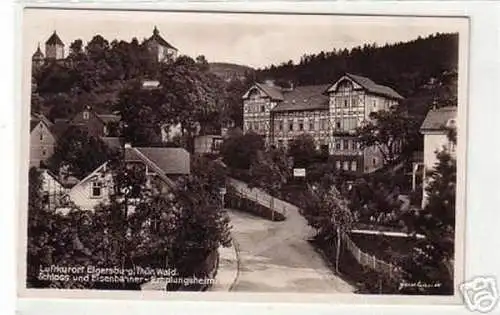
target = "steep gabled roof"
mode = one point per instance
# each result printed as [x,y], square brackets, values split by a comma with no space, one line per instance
[373,87]
[33,124]
[370,86]
[38,53]
[37,118]
[308,97]
[160,40]
[114,143]
[59,127]
[162,161]
[273,92]
[95,172]
[171,161]
[54,40]
[438,119]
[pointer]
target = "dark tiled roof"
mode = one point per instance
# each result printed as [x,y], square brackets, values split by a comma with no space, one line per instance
[54,40]
[43,118]
[437,119]
[274,92]
[373,87]
[172,161]
[308,97]
[33,124]
[160,40]
[112,142]
[37,118]
[107,118]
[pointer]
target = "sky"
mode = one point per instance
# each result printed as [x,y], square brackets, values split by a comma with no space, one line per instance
[255,40]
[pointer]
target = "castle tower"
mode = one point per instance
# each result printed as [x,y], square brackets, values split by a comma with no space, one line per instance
[161,50]
[54,47]
[38,58]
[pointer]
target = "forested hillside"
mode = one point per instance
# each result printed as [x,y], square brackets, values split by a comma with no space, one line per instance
[424,70]
[229,71]
[104,75]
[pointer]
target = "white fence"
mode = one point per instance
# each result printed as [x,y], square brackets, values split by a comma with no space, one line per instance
[370,261]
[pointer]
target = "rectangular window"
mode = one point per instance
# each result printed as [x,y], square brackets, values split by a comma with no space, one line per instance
[354,166]
[346,103]
[280,144]
[41,136]
[346,165]
[262,108]
[301,125]
[96,189]
[353,145]
[337,165]
[354,101]
[280,125]
[337,144]
[345,144]
[311,125]
[324,124]
[324,149]
[86,115]
[290,126]
[337,124]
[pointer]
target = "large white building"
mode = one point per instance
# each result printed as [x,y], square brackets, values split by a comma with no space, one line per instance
[435,129]
[330,113]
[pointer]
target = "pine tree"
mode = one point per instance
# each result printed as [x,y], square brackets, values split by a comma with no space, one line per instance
[432,259]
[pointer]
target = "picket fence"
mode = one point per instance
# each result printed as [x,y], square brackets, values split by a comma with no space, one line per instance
[370,261]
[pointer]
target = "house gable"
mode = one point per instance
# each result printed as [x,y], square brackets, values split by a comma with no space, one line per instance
[95,124]
[265,91]
[335,86]
[42,143]
[93,189]
[366,84]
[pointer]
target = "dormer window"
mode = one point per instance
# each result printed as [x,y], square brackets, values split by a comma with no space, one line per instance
[86,115]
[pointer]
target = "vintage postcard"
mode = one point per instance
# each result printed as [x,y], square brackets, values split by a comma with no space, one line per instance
[242,154]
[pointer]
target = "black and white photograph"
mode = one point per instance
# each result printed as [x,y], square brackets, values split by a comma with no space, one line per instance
[243,152]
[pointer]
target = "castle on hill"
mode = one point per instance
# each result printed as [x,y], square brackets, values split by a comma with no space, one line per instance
[159,48]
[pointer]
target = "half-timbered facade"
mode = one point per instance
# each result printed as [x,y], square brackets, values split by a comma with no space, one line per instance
[330,113]
[352,99]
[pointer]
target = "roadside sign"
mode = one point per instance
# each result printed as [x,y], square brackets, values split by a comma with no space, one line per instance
[299,172]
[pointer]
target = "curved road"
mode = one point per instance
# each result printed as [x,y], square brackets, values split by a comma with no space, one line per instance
[276,257]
